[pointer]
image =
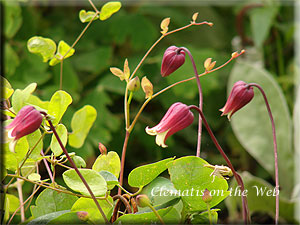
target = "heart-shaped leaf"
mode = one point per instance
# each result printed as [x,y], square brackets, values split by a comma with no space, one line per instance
[108,9]
[44,47]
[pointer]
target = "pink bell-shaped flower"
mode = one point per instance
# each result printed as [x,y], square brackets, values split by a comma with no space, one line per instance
[27,121]
[177,118]
[172,60]
[240,95]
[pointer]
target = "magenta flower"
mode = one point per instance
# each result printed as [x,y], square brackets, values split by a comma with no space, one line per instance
[240,95]
[27,121]
[172,60]
[177,118]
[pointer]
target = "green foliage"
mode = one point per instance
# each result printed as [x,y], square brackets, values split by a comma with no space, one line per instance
[143,175]
[58,105]
[110,162]
[87,16]
[11,60]
[88,205]
[108,9]
[20,97]
[63,51]
[50,201]
[11,203]
[96,182]
[203,218]
[191,178]
[63,135]
[81,124]
[110,179]
[45,47]
[13,18]
[35,141]
[259,143]
[7,89]
[169,215]
[47,218]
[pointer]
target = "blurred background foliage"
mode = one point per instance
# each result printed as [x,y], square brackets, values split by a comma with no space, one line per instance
[265,30]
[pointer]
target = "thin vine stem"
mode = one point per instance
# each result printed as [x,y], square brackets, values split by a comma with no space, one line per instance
[200,99]
[47,168]
[20,193]
[275,149]
[123,160]
[76,169]
[235,174]
[22,205]
[47,185]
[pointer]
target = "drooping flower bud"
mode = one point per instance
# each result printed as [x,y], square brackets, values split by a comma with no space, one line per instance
[142,201]
[240,95]
[177,118]
[206,197]
[26,122]
[102,148]
[172,60]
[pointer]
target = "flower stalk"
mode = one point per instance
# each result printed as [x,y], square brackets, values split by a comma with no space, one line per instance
[275,148]
[235,174]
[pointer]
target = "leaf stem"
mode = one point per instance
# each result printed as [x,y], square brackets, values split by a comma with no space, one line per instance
[236,175]
[47,168]
[156,214]
[275,148]
[20,193]
[209,213]
[76,169]
[200,99]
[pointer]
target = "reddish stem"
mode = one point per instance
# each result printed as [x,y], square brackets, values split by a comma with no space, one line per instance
[235,174]
[123,160]
[76,169]
[275,149]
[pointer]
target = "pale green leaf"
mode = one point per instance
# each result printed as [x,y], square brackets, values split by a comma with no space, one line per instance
[7,89]
[110,179]
[44,47]
[35,141]
[109,162]
[190,177]
[96,182]
[63,51]
[20,97]
[11,60]
[50,201]
[88,205]
[79,162]
[108,9]
[87,16]
[63,135]
[45,219]
[58,105]
[12,18]
[81,123]
[143,175]
[34,177]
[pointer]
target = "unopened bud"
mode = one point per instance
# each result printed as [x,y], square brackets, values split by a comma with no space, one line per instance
[83,215]
[208,65]
[234,54]
[134,84]
[143,201]
[102,148]
[206,197]
[173,59]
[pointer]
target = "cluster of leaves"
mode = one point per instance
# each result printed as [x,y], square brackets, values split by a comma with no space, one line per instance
[128,34]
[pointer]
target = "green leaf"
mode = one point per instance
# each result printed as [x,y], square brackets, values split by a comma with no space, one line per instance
[34,177]
[11,204]
[9,159]
[58,105]
[12,18]
[110,162]
[254,117]
[108,9]
[67,218]
[28,167]
[158,192]
[96,182]
[45,47]
[191,178]
[63,134]
[79,162]
[45,219]
[20,97]
[110,179]
[11,60]
[21,149]
[35,141]
[7,89]
[87,16]
[203,218]
[50,201]
[81,124]
[262,19]
[63,48]
[88,205]
[37,103]
[261,199]
[169,215]
[143,175]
